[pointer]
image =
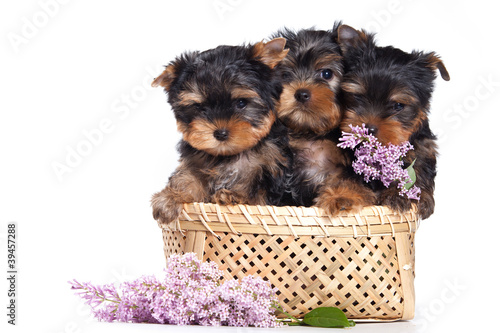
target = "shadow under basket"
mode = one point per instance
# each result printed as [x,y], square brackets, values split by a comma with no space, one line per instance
[361,263]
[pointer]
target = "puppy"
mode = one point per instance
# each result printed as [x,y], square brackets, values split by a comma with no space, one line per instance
[309,106]
[233,150]
[389,91]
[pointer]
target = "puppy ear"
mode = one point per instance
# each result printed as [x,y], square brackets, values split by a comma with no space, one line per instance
[335,30]
[337,25]
[435,62]
[348,37]
[166,78]
[173,69]
[270,53]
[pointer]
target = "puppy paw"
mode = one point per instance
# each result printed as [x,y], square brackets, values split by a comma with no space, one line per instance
[227,197]
[333,205]
[165,208]
[344,198]
[390,197]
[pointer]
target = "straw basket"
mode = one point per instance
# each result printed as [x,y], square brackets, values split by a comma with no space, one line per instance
[361,263]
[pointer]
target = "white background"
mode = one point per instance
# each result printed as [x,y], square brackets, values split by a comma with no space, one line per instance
[70,68]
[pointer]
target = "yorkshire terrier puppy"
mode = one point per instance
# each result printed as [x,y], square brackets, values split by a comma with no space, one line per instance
[233,150]
[389,91]
[311,75]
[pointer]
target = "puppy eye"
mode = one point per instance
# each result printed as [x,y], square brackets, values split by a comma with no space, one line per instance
[197,106]
[241,103]
[398,106]
[326,74]
[286,76]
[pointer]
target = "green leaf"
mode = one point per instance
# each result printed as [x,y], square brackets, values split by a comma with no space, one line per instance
[327,317]
[293,323]
[412,174]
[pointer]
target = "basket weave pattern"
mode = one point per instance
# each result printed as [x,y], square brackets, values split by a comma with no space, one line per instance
[362,263]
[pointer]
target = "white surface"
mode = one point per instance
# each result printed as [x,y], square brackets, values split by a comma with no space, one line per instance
[85,66]
[394,327]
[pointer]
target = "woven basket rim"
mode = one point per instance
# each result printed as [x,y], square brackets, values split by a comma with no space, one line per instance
[293,220]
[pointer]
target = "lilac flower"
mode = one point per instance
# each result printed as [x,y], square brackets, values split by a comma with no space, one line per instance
[357,135]
[412,193]
[190,293]
[378,162]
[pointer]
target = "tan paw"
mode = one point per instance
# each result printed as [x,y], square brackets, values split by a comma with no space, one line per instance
[165,208]
[345,197]
[227,197]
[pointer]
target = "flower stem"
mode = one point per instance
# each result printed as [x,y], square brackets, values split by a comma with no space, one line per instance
[280,309]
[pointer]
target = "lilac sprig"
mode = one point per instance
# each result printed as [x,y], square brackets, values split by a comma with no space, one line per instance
[189,294]
[379,162]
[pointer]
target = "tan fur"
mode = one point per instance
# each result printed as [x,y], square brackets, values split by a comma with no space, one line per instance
[344,195]
[320,115]
[243,93]
[242,135]
[182,187]
[165,79]
[318,158]
[327,60]
[190,97]
[253,164]
[436,63]
[270,53]
[353,87]
[227,197]
[389,130]
[404,98]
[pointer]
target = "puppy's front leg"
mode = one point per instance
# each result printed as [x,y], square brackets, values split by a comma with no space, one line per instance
[182,187]
[347,195]
[228,197]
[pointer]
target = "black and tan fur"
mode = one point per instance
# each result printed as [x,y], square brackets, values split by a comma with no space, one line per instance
[389,91]
[233,149]
[309,106]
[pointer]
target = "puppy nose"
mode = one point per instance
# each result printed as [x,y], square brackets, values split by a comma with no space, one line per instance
[221,134]
[372,129]
[302,95]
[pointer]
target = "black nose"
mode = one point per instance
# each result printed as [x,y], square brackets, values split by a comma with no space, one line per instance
[372,129]
[302,95]
[221,134]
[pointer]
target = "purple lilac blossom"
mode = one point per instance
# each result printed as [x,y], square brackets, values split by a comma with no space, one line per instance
[189,294]
[378,162]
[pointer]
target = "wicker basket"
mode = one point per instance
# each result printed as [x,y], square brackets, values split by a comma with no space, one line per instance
[362,263]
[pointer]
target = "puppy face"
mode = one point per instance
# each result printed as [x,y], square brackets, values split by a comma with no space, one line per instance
[223,99]
[310,74]
[385,88]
